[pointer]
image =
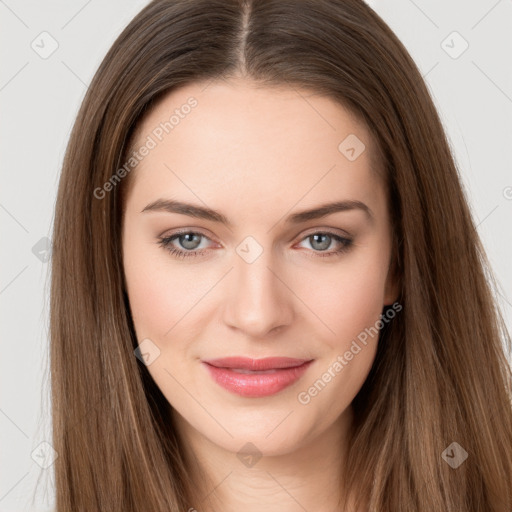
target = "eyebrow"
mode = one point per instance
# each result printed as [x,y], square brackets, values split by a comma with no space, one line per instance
[172,206]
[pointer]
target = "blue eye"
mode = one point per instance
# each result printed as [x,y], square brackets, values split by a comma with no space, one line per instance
[188,240]
[344,243]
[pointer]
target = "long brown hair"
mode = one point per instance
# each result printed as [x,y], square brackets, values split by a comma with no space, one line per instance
[440,374]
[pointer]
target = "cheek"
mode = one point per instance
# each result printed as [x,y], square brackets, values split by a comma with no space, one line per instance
[350,299]
[158,296]
[168,301]
[350,306]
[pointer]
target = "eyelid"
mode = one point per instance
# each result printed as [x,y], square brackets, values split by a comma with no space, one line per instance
[325,229]
[183,231]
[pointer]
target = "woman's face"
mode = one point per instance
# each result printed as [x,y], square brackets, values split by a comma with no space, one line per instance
[259,277]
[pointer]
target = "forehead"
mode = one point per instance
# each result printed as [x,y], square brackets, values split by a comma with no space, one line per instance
[232,141]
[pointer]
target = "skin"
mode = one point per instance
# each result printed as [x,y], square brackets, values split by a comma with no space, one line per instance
[257,155]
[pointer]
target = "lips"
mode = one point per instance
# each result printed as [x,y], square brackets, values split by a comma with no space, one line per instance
[256,377]
[246,363]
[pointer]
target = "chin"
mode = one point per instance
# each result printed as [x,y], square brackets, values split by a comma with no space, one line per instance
[272,431]
[260,444]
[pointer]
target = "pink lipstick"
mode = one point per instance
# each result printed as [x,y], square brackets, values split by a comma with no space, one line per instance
[256,377]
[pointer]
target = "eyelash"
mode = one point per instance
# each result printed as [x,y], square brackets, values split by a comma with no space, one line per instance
[165,242]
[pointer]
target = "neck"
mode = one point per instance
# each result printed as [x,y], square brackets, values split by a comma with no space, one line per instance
[287,482]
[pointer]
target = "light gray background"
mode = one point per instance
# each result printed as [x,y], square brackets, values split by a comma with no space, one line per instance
[39,100]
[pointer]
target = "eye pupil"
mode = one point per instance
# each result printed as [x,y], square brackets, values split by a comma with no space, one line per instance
[323,245]
[189,243]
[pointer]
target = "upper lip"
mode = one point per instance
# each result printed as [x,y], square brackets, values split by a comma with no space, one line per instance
[246,363]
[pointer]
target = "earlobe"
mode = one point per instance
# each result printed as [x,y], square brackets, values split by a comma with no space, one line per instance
[392,287]
[391,296]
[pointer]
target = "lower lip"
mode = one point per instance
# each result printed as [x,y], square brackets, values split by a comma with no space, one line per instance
[256,384]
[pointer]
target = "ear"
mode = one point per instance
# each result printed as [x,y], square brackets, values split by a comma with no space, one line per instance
[393,284]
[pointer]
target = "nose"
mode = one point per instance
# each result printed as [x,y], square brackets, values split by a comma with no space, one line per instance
[258,299]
